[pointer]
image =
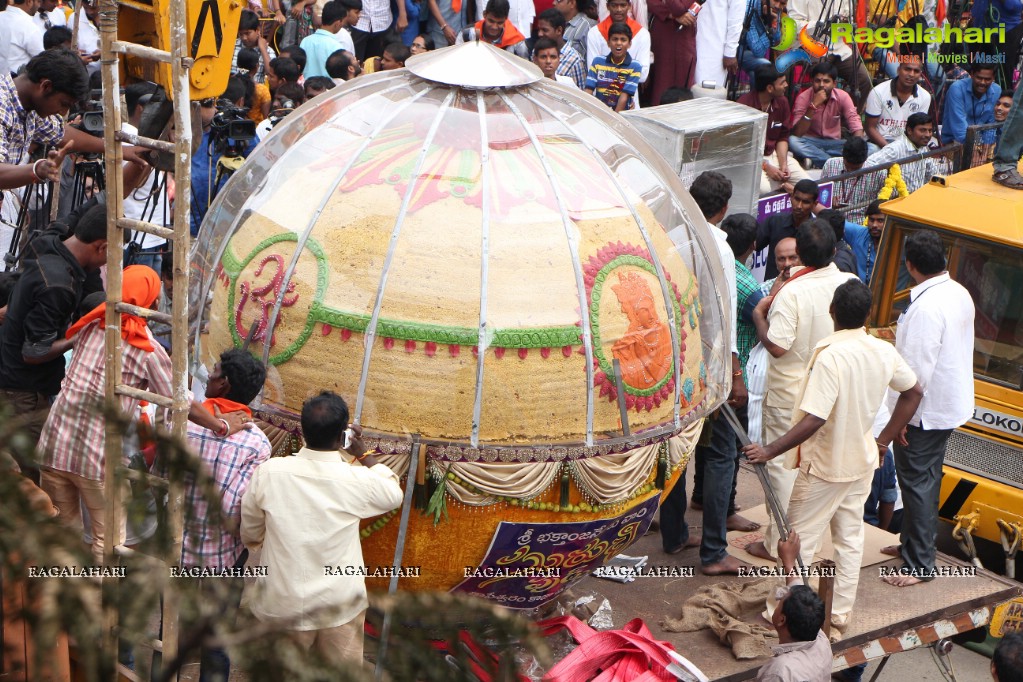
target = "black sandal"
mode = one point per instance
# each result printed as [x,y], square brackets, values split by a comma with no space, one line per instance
[1009,178]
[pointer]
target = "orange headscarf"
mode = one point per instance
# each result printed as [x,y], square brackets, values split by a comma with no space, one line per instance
[140,286]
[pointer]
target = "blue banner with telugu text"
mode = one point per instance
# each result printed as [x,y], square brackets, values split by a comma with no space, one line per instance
[530,564]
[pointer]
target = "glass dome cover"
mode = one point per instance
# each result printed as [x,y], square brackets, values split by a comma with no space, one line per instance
[467,251]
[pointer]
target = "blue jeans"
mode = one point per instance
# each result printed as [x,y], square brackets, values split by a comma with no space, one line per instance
[749,61]
[1010,147]
[720,460]
[152,257]
[817,149]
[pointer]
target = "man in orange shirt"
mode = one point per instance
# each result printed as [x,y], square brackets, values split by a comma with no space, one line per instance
[495,29]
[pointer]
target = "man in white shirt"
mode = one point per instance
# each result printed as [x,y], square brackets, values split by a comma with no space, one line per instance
[891,103]
[831,444]
[718,29]
[596,39]
[20,37]
[49,15]
[88,34]
[323,610]
[373,31]
[935,336]
[521,14]
[789,325]
[147,201]
[637,10]
[712,191]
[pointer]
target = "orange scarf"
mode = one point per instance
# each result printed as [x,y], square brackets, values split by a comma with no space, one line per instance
[225,406]
[605,26]
[140,286]
[509,37]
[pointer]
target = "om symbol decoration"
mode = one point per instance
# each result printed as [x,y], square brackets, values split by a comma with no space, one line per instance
[259,297]
[257,281]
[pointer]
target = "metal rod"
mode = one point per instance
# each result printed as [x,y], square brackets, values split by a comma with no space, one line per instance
[772,501]
[399,551]
[623,409]
[572,238]
[655,258]
[252,333]
[392,247]
[880,667]
[481,334]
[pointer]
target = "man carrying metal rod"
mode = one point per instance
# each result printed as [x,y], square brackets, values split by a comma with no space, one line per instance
[831,443]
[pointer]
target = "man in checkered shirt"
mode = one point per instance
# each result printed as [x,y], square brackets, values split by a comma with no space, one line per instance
[31,106]
[212,540]
[234,383]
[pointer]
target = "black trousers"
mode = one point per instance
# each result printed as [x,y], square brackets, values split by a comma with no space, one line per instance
[918,465]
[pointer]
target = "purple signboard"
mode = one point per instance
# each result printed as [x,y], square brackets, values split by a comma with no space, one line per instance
[782,203]
[529,564]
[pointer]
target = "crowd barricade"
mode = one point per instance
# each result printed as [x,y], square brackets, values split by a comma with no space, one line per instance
[946,159]
[979,145]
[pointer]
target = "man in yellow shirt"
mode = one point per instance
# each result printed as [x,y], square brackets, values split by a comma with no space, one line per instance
[831,443]
[304,512]
[789,325]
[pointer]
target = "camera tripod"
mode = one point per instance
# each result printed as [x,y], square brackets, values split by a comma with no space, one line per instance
[32,217]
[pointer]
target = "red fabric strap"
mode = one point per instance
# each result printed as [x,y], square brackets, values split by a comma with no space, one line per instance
[623,655]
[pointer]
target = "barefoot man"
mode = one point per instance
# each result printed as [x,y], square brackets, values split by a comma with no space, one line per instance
[935,336]
[790,324]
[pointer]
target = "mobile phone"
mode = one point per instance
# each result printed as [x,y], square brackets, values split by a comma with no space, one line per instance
[349,434]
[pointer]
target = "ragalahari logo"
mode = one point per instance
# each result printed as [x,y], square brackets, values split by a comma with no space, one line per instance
[808,49]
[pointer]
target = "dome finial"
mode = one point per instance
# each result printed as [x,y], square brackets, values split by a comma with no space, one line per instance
[476,65]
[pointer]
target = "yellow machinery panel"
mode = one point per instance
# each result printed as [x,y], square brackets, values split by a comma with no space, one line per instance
[212,32]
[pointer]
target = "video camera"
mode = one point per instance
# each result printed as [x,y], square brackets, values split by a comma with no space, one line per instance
[231,129]
[92,114]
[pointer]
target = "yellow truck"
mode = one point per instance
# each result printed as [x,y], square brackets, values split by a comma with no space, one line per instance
[981,224]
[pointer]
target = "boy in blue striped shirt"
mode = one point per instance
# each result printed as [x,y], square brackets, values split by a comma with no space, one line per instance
[614,78]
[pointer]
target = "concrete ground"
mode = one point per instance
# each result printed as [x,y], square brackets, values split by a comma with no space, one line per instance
[918,664]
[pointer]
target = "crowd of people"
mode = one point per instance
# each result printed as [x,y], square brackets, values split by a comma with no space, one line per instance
[625,52]
[845,425]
